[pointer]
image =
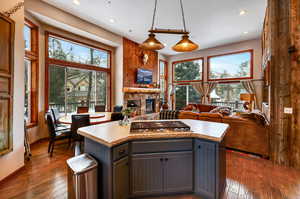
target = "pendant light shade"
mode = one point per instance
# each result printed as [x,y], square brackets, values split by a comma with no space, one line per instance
[152,43]
[185,45]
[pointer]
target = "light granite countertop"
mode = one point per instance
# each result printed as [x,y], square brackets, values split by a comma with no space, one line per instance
[111,134]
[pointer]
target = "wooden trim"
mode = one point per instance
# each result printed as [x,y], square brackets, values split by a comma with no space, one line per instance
[188,60]
[76,65]
[33,56]
[232,53]
[49,61]
[166,77]
[9,74]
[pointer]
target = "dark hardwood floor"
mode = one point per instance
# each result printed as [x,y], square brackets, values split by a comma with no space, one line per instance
[247,177]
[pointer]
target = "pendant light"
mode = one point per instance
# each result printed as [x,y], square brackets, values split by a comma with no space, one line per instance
[152,43]
[184,45]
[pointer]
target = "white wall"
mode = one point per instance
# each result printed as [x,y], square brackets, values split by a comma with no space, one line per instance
[15,159]
[254,44]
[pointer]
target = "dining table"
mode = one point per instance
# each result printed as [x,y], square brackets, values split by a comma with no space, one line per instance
[95,118]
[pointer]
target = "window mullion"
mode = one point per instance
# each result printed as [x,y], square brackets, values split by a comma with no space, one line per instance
[187,94]
[66,94]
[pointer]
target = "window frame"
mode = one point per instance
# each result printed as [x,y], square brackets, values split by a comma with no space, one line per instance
[33,57]
[51,61]
[251,51]
[187,60]
[165,77]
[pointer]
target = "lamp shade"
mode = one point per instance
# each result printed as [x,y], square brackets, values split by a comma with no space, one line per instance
[152,43]
[247,97]
[185,45]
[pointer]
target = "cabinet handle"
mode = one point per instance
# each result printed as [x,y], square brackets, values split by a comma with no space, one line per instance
[166,159]
[161,159]
[199,147]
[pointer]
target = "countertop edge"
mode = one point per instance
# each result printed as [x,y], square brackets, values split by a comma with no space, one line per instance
[150,136]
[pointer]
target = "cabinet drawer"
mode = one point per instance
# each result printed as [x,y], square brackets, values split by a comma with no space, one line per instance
[162,146]
[120,151]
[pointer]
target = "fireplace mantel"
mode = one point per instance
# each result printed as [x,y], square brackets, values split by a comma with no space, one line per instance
[141,90]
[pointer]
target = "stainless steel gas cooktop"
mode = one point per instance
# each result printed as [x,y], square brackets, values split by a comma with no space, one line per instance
[140,127]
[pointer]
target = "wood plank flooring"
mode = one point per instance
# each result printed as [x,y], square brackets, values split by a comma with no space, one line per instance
[247,178]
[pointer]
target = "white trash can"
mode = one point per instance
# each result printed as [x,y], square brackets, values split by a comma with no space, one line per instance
[82,177]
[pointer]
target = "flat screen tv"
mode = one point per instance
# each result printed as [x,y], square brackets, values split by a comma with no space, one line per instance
[144,76]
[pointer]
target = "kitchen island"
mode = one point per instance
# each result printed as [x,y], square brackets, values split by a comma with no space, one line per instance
[155,163]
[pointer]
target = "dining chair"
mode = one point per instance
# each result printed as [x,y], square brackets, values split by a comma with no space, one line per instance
[54,134]
[118,109]
[99,108]
[56,116]
[82,109]
[116,116]
[78,121]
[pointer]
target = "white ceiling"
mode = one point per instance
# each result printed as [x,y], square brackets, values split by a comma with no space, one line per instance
[211,22]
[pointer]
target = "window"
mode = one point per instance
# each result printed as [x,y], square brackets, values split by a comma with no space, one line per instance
[69,51]
[184,95]
[31,73]
[27,37]
[77,75]
[163,80]
[231,66]
[228,94]
[70,88]
[188,70]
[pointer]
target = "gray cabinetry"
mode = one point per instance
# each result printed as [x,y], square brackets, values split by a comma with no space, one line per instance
[121,179]
[178,172]
[205,168]
[162,173]
[147,174]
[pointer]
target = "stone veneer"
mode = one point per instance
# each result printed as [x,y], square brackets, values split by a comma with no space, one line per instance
[141,97]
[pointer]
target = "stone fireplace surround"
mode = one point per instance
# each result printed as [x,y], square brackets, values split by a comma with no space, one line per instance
[139,97]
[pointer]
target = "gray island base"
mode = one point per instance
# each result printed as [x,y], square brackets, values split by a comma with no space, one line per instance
[158,163]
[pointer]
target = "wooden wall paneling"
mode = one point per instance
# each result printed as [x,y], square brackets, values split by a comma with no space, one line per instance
[132,60]
[294,142]
[7,35]
[280,123]
[284,17]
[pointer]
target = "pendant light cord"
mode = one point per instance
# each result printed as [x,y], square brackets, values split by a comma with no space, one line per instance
[182,13]
[154,14]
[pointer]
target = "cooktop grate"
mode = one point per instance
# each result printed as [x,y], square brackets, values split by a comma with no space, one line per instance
[138,127]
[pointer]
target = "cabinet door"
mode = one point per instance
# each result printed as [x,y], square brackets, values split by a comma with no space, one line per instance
[147,174]
[205,168]
[121,179]
[178,172]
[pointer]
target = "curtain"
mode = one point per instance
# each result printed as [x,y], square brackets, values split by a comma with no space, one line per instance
[204,89]
[250,88]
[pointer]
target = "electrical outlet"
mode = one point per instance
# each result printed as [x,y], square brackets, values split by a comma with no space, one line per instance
[288,110]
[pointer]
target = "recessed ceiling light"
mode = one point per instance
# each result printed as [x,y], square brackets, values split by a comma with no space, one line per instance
[77,2]
[246,32]
[165,44]
[243,12]
[112,20]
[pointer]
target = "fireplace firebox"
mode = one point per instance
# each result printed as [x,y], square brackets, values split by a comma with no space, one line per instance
[150,106]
